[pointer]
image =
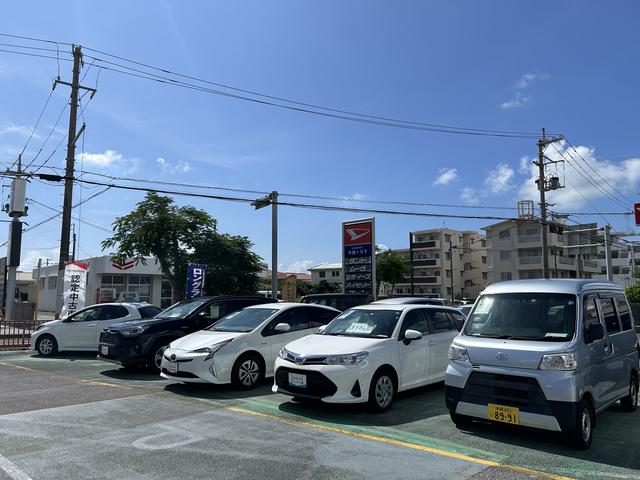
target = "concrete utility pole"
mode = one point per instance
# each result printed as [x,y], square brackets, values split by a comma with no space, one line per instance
[410,259]
[16,209]
[543,187]
[37,293]
[451,267]
[73,249]
[72,138]
[607,251]
[633,264]
[271,199]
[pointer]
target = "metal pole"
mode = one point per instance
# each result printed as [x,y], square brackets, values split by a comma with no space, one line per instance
[274,245]
[410,259]
[543,206]
[11,272]
[607,252]
[37,294]
[633,264]
[69,172]
[451,266]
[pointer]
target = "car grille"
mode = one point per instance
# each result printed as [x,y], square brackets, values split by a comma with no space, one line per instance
[179,374]
[509,390]
[109,337]
[301,360]
[318,385]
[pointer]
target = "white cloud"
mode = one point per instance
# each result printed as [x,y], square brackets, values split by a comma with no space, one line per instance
[301,266]
[109,158]
[446,176]
[358,196]
[168,167]
[469,196]
[498,180]
[13,128]
[29,260]
[527,79]
[518,100]
[623,176]
[525,164]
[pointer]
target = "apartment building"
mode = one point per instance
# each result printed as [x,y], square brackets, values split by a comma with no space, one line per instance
[445,261]
[330,272]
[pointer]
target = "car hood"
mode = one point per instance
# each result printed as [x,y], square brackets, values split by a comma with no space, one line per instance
[51,323]
[202,339]
[141,323]
[332,344]
[508,353]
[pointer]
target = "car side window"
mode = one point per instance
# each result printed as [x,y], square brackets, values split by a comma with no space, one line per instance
[624,312]
[320,316]
[213,312]
[88,315]
[457,319]
[438,321]
[414,320]
[611,321]
[111,312]
[297,318]
[590,315]
[148,312]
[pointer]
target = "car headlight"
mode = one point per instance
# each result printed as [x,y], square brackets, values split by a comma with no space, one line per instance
[458,354]
[283,353]
[559,361]
[212,349]
[133,330]
[348,359]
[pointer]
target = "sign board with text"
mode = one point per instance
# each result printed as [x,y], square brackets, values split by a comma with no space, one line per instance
[196,275]
[358,256]
[75,287]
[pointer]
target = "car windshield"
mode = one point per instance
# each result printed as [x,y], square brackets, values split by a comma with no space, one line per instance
[182,309]
[359,322]
[243,321]
[524,316]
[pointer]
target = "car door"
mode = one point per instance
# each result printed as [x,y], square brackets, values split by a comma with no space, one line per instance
[297,318]
[616,358]
[597,354]
[110,314]
[412,354]
[79,330]
[442,332]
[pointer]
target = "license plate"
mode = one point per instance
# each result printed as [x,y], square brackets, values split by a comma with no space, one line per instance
[172,367]
[104,350]
[500,413]
[298,380]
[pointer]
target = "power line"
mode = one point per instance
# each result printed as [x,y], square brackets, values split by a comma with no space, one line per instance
[33,39]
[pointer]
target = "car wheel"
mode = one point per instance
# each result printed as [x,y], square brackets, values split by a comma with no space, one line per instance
[46,345]
[461,421]
[382,390]
[247,372]
[582,434]
[630,402]
[155,355]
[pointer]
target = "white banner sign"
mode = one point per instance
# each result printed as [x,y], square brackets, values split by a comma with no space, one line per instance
[75,287]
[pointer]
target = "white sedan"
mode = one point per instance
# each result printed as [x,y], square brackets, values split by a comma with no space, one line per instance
[368,354]
[241,348]
[81,330]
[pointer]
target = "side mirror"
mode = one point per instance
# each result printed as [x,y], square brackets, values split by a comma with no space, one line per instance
[321,328]
[282,327]
[410,335]
[595,332]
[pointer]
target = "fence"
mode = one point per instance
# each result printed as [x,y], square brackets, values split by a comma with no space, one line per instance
[15,334]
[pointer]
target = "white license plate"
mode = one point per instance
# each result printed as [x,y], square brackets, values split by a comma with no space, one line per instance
[104,350]
[172,367]
[298,380]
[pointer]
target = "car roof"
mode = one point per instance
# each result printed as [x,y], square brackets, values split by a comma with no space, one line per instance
[404,300]
[324,295]
[550,286]
[131,304]
[287,305]
[400,306]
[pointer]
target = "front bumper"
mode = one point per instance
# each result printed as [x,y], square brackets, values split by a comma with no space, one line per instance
[469,391]
[193,368]
[329,383]
[121,350]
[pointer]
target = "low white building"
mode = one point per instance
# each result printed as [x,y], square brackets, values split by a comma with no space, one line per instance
[330,272]
[108,281]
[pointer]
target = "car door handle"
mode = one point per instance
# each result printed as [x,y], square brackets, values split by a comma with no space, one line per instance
[91,325]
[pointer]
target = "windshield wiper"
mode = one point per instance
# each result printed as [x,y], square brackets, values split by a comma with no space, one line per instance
[487,335]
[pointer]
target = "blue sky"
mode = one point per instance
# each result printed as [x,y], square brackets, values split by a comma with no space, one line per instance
[569,66]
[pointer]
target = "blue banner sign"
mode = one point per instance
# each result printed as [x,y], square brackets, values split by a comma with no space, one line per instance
[195,280]
[357,251]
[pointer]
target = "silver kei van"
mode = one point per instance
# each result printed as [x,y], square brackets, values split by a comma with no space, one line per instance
[548,354]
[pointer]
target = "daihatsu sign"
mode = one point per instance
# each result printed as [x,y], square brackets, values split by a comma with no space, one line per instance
[358,256]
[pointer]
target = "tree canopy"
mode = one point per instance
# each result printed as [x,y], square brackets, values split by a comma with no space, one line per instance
[391,267]
[177,236]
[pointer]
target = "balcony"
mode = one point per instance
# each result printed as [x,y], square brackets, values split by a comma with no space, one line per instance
[566,261]
[420,280]
[427,244]
[591,265]
[529,238]
[426,262]
[532,260]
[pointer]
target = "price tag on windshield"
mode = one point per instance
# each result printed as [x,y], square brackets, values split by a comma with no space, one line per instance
[360,328]
[484,306]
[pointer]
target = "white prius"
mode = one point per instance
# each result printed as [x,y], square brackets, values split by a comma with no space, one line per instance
[368,354]
[241,348]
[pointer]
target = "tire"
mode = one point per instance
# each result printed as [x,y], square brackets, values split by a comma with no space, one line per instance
[461,421]
[247,372]
[581,435]
[46,345]
[630,402]
[155,355]
[382,390]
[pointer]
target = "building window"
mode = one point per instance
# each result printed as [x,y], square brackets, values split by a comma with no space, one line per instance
[447,237]
[335,273]
[483,243]
[322,274]
[505,234]
[505,276]
[116,282]
[166,294]
[52,282]
[484,275]
[141,285]
[41,282]
[448,273]
[505,254]
[484,259]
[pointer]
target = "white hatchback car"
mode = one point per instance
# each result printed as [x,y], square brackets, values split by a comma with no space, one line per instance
[241,347]
[81,330]
[368,354]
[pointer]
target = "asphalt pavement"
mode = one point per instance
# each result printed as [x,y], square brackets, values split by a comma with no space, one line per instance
[74,416]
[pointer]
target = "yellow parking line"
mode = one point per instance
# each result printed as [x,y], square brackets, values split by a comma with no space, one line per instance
[399,443]
[19,366]
[105,384]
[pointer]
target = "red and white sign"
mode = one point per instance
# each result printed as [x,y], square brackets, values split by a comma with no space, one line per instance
[75,287]
[358,233]
[636,212]
[124,266]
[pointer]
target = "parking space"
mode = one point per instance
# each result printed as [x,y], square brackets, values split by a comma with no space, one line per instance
[77,417]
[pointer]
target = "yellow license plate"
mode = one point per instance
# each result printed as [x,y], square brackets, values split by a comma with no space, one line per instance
[503,414]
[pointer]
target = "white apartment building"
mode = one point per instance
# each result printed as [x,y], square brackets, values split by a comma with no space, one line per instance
[330,272]
[442,259]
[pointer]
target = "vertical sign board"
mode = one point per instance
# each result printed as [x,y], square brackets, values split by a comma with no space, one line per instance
[636,212]
[195,280]
[289,288]
[75,287]
[359,256]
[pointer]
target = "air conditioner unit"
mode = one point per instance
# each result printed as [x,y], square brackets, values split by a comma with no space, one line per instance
[106,295]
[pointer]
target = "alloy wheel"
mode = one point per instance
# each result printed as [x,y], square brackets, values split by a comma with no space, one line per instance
[157,358]
[45,346]
[634,394]
[384,391]
[249,372]
[586,424]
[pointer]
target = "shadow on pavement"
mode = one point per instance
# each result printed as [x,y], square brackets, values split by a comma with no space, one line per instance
[71,356]
[132,373]
[217,392]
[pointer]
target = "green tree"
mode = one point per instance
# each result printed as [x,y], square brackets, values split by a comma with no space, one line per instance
[633,293]
[177,236]
[391,267]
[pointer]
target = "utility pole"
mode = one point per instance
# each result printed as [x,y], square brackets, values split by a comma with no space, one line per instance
[607,252]
[272,199]
[410,260]
[633,264]
[16,209]
[72,138]
[37,293]
[451,267]
[544,186]
[73,249]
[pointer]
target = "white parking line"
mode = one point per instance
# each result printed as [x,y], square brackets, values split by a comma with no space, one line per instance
[10,469]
